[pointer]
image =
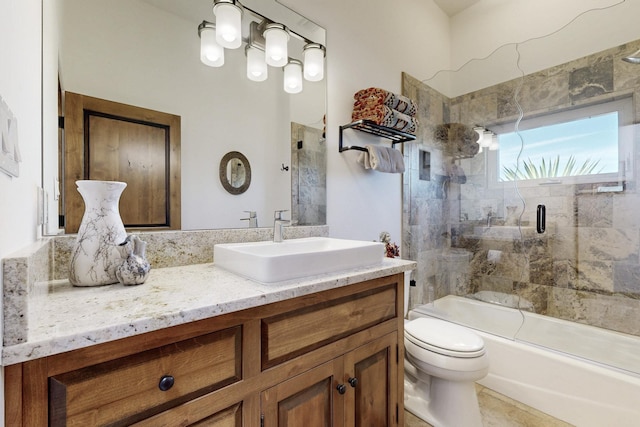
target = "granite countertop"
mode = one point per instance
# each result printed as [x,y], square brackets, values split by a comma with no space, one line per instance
[63,318]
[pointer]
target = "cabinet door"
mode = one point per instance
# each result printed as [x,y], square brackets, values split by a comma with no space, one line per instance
[197,413]
[371,372]
[311,399]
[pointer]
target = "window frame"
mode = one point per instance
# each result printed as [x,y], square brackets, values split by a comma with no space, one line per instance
[626,152]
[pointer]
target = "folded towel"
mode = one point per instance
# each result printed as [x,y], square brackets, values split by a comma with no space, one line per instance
[382,159]
[373,97]
[385,116]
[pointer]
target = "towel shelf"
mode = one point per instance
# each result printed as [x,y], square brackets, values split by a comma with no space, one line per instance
[373,128]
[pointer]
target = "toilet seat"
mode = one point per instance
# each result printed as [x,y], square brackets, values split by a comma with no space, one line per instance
[444,338]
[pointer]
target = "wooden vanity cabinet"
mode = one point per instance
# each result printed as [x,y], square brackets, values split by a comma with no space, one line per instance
[357,389]
[331,358]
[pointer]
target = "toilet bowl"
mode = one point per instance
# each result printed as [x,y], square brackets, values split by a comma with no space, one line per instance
[442,363]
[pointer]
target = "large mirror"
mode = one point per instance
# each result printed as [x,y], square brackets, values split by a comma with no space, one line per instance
[146,53]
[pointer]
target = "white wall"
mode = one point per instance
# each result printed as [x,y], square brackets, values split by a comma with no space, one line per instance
[20,89]
[370,43]
[548,33]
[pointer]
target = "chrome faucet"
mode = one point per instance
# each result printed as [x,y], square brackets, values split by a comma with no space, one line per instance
[278,223]
[253,219]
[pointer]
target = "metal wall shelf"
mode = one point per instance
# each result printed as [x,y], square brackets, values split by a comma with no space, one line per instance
[373,128]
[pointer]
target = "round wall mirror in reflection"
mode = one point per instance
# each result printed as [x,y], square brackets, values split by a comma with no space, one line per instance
[235,172]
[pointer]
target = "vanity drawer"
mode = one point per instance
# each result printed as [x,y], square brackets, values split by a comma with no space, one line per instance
[134,387]
[290,334]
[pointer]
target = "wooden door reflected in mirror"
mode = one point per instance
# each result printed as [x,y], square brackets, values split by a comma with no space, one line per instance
[110,141]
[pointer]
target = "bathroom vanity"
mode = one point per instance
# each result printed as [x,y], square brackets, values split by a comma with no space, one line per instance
[197,345]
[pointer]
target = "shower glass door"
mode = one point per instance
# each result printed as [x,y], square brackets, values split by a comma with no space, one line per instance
[543,219]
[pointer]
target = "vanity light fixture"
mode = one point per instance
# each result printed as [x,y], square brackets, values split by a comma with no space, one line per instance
[634,58]
[257,69]
[211,53]
[276,44]
[267,44]
[480,131]
[313,54]
[228,23]
[293,76]
[486,139]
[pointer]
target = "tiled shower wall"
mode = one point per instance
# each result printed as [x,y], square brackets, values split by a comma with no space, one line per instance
[586,267]
[308,176]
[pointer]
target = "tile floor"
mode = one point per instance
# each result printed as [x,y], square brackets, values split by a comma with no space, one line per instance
[500,411]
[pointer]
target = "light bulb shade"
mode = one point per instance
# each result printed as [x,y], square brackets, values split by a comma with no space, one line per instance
[480,132]
[494,143]
[276,41]
[314,62]
[211,53]
[257,69]
[293,76]
[228,23]
[487,138]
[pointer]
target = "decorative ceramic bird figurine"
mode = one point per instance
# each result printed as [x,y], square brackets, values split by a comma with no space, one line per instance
[135,268]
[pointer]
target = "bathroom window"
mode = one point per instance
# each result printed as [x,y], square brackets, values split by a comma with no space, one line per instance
[587,144]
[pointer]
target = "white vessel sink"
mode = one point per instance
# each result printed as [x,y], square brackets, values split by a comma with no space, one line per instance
[294,258]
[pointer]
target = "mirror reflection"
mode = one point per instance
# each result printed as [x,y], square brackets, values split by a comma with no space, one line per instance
[146,53]
[235,172]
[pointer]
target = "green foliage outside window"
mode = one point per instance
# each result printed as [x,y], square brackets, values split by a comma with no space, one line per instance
[549,169]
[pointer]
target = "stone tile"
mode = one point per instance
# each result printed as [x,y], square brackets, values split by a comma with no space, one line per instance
[587,82]
[626,75]
[626,278]
[607,311]
[593,276]
[498,410]
[600,244]
[594,211]
[411,420]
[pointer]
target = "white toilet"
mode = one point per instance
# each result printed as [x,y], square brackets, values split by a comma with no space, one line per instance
[442,362]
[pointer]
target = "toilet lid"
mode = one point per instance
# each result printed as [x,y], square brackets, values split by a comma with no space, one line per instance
[443,335]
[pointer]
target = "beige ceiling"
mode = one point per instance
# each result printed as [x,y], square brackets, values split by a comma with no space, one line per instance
[451,7]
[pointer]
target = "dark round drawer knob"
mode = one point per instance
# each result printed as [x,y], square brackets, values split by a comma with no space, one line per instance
[342,389]
[353,382]
[166,382]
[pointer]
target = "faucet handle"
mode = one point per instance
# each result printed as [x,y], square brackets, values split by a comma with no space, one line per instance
[278,214]
[252,214]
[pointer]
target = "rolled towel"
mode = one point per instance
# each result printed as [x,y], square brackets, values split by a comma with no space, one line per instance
[374,96]
[382,159]
[385,116]
[379,158]
[363,159]
[397,160]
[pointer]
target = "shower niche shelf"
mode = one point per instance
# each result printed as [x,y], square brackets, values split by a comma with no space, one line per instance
[372,128]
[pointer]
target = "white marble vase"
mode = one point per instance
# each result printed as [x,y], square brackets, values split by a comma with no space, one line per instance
[95,255]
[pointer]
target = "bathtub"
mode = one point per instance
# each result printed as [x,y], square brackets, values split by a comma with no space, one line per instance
[580,374]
